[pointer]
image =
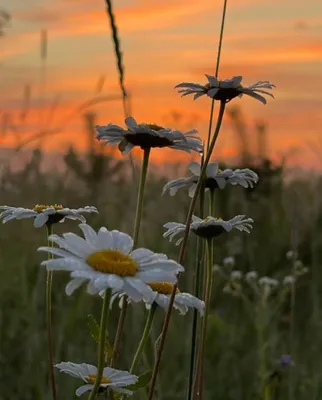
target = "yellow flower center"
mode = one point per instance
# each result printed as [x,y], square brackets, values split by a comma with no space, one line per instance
[112,262]
[155,127]
[162,287]
[91,379]
[41,207]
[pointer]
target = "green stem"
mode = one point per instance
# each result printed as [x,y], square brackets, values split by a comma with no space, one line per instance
[101,344]
[139,206]
[212,202]
[196,293]
[264,388]
[223,18]
[198,385]
[144,338]
[292,316]
[210,122]
[49,282]
[183,247]
[136,232]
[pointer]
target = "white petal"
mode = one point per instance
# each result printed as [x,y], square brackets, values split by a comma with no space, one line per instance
[212,169]
[65,264]
[40,220]
[89,234]
[78,244]
[122,242]
[104,239]
[83,389]
[195,168]
[73,285]
[213,81]
[131,123]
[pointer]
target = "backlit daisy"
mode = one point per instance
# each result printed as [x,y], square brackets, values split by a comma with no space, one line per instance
[215,178]
[113,379]
[147,136]
[45,214]
[209,227]
[226,90]
[106,260]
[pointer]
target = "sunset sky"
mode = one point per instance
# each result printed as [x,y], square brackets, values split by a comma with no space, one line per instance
[166,42]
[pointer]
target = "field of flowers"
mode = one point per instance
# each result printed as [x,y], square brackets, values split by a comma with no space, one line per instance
[203,286]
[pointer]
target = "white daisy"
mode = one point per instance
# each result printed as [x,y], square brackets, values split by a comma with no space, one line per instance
[236,275]
[162,294]
[226,90]
[45,214]
[106,260]
[113,379]
[267,281]
[182,301]
[251,276]
[147,136]
[208,227]
[215,178]
[289,280]
[229,261]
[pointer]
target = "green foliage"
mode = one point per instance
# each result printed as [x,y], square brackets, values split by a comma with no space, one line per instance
[286,215]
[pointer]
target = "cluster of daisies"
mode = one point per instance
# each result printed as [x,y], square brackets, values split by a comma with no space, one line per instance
[107,260]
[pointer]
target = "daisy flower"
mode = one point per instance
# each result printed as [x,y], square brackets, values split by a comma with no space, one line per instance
[106,260]
[226,90]
[45,214]
[113,379]
[215,178]
[161,296]
[147,136]
[209,227]
[182,301]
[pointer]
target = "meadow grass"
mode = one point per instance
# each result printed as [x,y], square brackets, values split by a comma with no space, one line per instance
[287,215]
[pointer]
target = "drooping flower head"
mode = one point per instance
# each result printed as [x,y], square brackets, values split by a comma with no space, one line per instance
[113,379]
[209,227]
[226,90]
[182,301]
[106,260]
[147,136]
[162,294]
[45,214]
[215,178]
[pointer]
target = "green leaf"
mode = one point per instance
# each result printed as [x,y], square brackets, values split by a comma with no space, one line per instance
[94,331]
[93,327]
[143,381]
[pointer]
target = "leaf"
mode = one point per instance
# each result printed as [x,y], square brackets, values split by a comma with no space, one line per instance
[94,331]
[157,343]
[143,381]
[93,327]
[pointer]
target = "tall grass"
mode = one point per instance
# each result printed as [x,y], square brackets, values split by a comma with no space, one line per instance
[232,358]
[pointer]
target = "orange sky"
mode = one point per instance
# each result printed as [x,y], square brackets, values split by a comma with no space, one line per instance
[166,42]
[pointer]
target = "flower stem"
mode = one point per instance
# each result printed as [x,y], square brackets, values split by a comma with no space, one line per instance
[101,344]
[210,122]
[212,202]
[184,245]
[223,18]
[145,337]
[139,205]
[49,281]
[136,232]
[198,385]
[291,340]
[196,293]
